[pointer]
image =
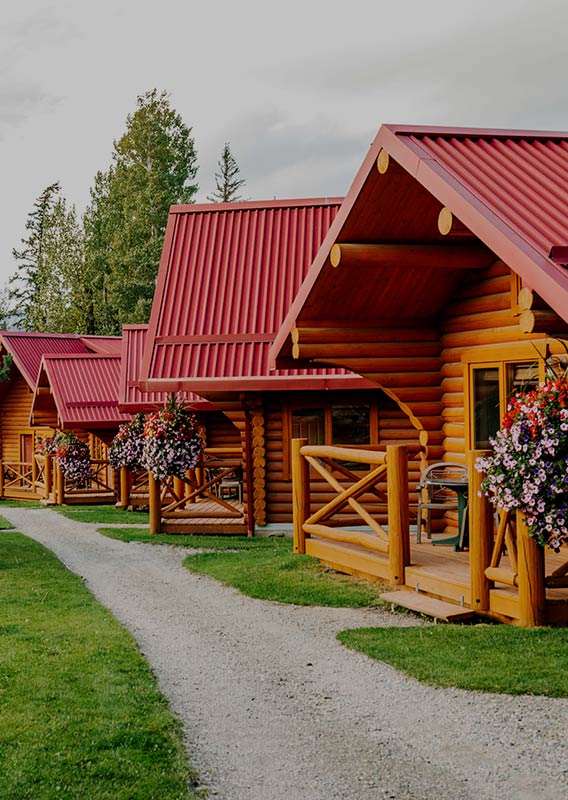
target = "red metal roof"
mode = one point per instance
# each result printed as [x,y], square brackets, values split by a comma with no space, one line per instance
[106,345]
[84,388]
[228,274]
[131,398]
[510,188]
[27,349]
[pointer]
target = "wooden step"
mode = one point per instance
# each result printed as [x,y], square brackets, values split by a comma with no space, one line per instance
[430,606]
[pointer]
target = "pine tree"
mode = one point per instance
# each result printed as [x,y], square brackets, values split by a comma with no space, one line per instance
[227,184]
[154,166]
[43,291]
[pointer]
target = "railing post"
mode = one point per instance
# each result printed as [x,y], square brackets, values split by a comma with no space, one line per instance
[398,511]
[59,485]
[1,479]
[300,494]
[155,502]
[480,535]
[179,489]
[530,558]
[196,476]
[124,491]
[48,476]
[34,472]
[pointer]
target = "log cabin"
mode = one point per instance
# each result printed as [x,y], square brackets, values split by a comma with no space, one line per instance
[21,354]
[227,276]
[443,280]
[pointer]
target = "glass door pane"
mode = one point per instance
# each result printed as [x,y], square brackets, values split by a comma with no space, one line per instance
[486,410]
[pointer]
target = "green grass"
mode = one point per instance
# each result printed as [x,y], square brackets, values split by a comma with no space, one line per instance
[80,712]
[273,572]
[20,504]
[105,515]
[5,525]
[193,540]
[486,658]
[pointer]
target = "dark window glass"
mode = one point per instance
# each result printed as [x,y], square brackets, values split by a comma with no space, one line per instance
[309,423]
[487,415]
[521,378]
[350,425]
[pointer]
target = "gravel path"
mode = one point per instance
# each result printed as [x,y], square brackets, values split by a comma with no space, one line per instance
[274,708]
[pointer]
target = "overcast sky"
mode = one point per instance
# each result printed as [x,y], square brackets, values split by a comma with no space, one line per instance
[299,88]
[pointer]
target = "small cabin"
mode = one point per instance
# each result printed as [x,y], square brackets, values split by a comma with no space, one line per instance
[21,354]
[227,276]
[443,281]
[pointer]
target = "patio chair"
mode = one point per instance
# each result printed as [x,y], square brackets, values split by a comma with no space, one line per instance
[442,487]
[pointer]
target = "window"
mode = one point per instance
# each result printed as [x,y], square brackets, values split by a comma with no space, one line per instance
[490,383]
[343,424]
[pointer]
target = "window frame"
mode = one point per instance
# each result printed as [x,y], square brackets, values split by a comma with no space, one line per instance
[501,358]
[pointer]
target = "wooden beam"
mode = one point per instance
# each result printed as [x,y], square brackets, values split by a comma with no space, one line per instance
[345,333]
[383,161]
[536,321]
[412,256]
[448,225]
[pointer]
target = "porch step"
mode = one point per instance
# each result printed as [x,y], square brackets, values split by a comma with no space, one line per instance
[430,606]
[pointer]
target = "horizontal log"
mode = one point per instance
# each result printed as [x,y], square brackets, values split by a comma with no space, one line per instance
[467,339]
[343,333]
[411,256]
[502,575]
[495,281]
[536,321]
[369,540]
[475,322]
[377,349]
[345,454]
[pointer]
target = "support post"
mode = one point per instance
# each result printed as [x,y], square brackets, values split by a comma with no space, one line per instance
[398,511]
[155,502]
[48,476]
[300,493]
[124,492]
[480,535]
[532,596]
[179,489]
[60,485]
[1,479]
[34,472]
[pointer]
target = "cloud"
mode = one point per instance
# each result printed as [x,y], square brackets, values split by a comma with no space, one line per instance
[19,101]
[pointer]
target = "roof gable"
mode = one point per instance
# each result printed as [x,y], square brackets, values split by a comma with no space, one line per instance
[28,349]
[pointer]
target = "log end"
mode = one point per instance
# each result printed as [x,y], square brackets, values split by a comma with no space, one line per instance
[382,161]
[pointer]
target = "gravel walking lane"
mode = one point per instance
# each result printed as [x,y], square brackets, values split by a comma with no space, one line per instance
[274,708]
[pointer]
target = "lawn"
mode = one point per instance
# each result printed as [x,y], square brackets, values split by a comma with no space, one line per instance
[486,658]
[80,712]
[105,515]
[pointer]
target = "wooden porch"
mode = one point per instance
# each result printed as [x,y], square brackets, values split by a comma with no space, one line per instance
[505,575]
[41,479]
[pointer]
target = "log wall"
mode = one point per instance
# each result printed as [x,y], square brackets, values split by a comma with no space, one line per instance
[393,427]
[15,418]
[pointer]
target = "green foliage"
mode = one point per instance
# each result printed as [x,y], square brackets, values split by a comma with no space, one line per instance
[275,573]
[227,184]
[5,371]
[154,166]
[485,658]
[80,712]
[44,290]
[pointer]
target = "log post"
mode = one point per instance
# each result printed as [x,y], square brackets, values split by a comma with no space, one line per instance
[480,535]
[48,476]
[300,494]
[60,485]
[155,502]
[179,489]
[397,502]
[197,477]
[34,472]
[1,479]
[124,495]
[530,557]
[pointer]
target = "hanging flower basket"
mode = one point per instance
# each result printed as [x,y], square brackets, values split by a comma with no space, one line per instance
[71,455]
[128,445]
[528,468]
[172,444]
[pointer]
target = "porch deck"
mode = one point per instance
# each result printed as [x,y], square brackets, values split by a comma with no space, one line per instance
[439,571]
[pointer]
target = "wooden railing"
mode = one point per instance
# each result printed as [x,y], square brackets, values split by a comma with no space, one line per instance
[174,497]
[524,568]
[386,480]
[23,477]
